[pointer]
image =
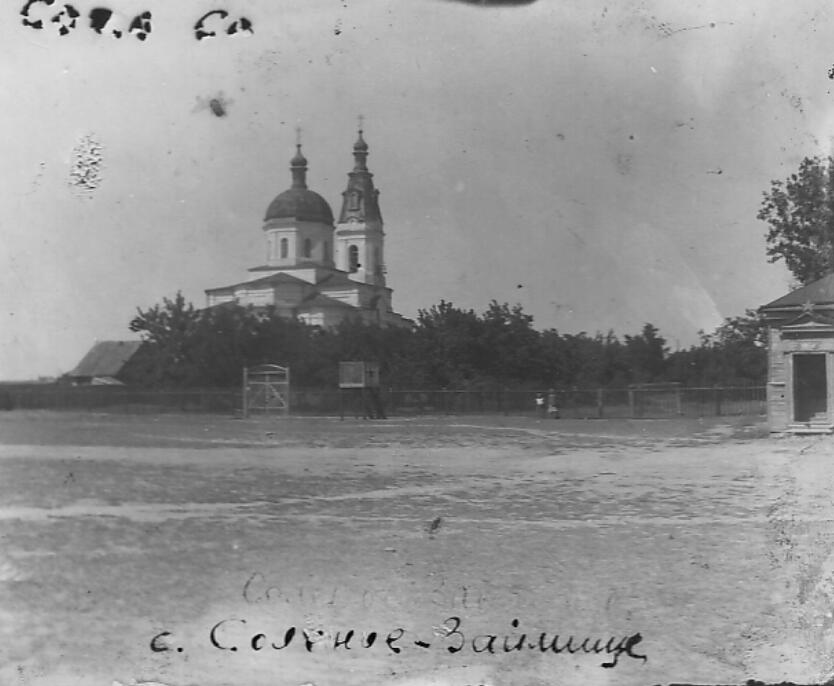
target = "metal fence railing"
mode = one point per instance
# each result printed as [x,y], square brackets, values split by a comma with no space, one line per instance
[119,399]
[572,403]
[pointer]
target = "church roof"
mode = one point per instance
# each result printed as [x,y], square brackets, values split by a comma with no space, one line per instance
[318,300]
[106,358]
[339,281]
[299,202]
[272,280]
[817,292]
[275,280]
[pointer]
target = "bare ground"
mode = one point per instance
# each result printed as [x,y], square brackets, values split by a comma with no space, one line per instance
[710,540]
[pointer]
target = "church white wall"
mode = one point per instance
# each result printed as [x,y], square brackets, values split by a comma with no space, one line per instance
[257,297]
[289,292]
[296,233]
[213,299]
[313,318]
[351,297]
[369,241]
[327,317]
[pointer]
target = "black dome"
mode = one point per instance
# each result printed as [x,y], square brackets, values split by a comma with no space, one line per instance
[300,204]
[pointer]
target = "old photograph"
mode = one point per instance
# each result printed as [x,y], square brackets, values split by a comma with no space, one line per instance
[416,343]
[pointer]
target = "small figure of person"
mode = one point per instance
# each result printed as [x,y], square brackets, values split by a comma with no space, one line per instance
[540,405]
[552,409]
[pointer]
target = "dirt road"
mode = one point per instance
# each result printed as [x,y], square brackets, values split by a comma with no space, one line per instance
[209,551]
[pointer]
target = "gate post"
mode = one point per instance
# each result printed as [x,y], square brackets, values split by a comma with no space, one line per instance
[245,384]
[289,394]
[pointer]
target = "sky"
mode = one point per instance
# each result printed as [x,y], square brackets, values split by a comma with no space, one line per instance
[600,164]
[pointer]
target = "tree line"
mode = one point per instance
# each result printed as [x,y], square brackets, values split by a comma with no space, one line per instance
[448,347]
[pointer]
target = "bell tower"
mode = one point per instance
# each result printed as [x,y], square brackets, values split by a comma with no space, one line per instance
[359,238]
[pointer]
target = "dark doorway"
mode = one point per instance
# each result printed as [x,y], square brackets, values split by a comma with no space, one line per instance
[810,390]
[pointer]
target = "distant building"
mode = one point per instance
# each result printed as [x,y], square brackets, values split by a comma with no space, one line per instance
[315,270]
[105,364]
[800,387]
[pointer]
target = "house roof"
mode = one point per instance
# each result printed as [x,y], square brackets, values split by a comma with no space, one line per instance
[106,358]
[817,292]
[809,320]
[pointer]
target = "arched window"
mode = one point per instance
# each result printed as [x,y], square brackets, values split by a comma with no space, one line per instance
[284,248]
[353,258]
[377,263]
[353,200]
[308,247]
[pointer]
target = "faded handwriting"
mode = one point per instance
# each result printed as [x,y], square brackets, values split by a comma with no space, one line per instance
[258,590]
[40,14]
[235,634]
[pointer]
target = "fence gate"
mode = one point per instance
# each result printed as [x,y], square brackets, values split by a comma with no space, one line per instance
[266,389]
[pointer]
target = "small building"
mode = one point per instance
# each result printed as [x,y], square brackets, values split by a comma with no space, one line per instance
[105,363]
[800,386]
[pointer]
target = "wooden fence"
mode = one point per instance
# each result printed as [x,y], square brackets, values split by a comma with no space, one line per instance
[572,403]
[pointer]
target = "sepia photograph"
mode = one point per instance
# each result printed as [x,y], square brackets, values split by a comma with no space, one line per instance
[416,343]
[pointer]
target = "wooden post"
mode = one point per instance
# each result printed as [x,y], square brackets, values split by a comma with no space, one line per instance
[289,391]
[245,384]
[600,409]
[717,391]
[631,402]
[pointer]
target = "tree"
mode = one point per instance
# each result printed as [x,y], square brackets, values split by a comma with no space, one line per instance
[800,212]
[186,347]
[739,348]
[224,341]
[510,344]
[168,330]
[448,344]
[734,354]
[646,354]
[448,348]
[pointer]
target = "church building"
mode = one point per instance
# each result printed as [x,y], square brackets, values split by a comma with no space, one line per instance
[314,270]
